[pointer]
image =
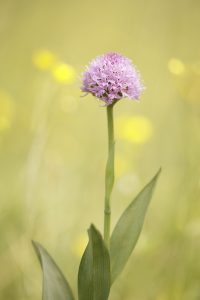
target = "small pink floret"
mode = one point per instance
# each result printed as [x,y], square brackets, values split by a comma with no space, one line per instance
[111,77]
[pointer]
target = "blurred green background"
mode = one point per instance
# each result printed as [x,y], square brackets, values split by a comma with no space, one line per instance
[53,143]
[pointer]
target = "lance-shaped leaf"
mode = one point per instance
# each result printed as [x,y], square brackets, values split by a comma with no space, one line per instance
[55,286]
[94,270]
[128,228]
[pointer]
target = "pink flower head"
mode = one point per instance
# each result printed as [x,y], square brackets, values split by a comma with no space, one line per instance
[111,77]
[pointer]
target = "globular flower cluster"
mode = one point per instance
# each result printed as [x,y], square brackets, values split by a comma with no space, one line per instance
[111,77]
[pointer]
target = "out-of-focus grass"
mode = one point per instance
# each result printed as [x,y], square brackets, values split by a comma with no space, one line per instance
[53,142]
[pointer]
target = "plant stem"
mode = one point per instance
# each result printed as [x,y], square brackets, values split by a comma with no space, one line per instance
[109,174]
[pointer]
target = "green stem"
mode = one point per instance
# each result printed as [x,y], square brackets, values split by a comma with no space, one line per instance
[109,174]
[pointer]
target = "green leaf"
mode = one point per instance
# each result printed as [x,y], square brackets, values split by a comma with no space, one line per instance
[128,228]
[55,286]
[94,270]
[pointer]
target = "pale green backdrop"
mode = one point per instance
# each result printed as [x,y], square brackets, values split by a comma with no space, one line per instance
[53,141]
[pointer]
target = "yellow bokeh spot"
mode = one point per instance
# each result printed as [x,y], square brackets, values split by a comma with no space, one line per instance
[134,129]
[44,59]
[176,66]
[64,73]
[80,245]
[4,123]
[6,110]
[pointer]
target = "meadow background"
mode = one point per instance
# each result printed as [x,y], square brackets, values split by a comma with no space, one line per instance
[53,142]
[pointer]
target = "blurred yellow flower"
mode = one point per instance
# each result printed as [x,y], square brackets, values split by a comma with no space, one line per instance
[187,79]
[176,66]
[43,59]
[4,123]
[136,129]
[6,110]
[64,73]
[80,245]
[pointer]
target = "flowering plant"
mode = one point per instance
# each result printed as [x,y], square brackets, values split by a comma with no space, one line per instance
[110,77]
